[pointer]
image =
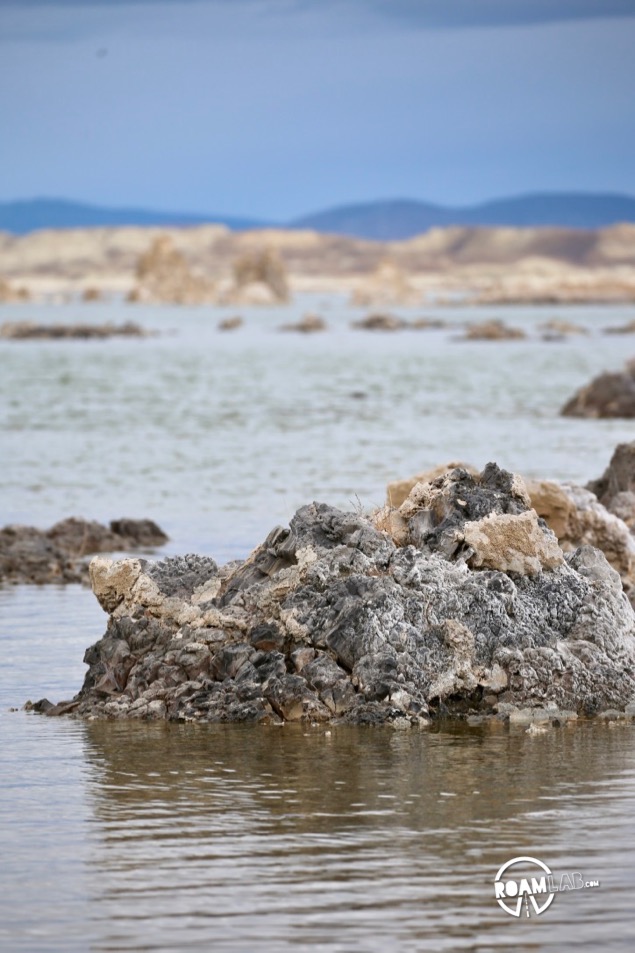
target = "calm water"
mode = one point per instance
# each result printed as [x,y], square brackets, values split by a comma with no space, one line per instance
[154,837]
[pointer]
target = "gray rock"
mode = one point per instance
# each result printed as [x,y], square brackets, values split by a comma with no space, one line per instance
[331,619]
[30,555]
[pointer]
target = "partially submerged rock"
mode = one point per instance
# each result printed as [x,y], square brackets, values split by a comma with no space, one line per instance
[494,330]
[562,328]
[30,331]
[611,394]
[231,324]
[30,555]
[628,328]
[458,601]
[310,324]
[379,322]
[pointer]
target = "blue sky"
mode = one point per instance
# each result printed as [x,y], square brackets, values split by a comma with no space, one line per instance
[274,108]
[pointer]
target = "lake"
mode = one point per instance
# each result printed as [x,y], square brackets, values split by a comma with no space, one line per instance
[122,836]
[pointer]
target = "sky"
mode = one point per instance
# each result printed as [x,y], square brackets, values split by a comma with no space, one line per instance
[276,108]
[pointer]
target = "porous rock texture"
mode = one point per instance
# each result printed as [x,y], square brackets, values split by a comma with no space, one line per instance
[59,554]
[615,489]
[470,606]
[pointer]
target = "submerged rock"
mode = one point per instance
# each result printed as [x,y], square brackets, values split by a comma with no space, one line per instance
[611,394]
[494,330]
[231,324]
[30,555]
[29,331]
[310,324]
[379,322]
[458,601]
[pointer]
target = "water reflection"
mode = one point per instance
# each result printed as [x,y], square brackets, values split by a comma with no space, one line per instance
[363,840]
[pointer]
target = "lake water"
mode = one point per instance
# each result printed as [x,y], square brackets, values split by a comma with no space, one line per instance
[163,837]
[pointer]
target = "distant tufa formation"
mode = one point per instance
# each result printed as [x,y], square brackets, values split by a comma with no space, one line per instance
[164,276]
[457,601]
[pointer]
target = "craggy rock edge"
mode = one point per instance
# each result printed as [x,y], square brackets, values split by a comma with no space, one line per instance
[462,603]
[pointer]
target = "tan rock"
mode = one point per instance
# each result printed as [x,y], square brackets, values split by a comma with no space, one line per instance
[310,324]
[112,581]
[260,277]
[165,277]
[493,331]
[388,286]
[551,501]
[398,490]
[509,543]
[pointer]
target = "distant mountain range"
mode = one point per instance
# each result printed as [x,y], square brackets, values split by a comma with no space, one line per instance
[31,215]
[391,220]
[382,220]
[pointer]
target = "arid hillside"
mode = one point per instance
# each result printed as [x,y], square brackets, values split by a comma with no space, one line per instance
[479,264]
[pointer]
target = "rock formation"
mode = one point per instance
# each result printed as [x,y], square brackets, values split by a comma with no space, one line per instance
[574,513]
[611,394]
[231,324]
[460,600]
[29,331]
[309,324]
[388,286]
[260,277]
[493,330]
[163,276]
[29,555]
[9,294]
[616,487]
[628,328]
[379,322]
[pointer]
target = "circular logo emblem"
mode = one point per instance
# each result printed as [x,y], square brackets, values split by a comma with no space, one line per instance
[523,883]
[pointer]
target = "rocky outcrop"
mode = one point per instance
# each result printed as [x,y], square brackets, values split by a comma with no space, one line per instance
[310,324]
[628,328]
[389,286]
[29,331]
[615,489]
[608,395]
[578,518]
[260,277]
[573,513]
[458,601]
[494,330]
[398,490]
[163,276]
[231,324]
[30,555]
[9,294]
[379,322]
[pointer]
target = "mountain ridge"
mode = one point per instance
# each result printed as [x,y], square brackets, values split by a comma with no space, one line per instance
[381,220]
